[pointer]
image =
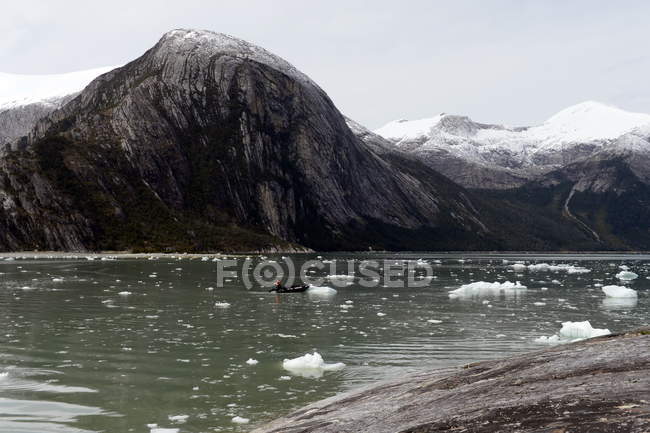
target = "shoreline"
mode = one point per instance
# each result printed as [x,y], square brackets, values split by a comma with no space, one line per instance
[598,384]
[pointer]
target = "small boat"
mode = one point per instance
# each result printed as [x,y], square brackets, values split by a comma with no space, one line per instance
[299,288]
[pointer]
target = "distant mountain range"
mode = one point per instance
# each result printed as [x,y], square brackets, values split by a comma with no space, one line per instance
[207,142]
[478,155]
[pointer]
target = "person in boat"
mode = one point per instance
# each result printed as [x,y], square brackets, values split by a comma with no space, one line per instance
[278,287]
[297,288]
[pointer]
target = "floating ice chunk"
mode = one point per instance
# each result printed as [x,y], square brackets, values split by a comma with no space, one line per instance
[321,291]
[380,314]
[518,266]
[434,321]
[286,336]
[577,270]
[573,331]
[341,277]
[240,420]
[252,361]
[581,330]
[179,419]
[619,292]
[57,280]
[482,288]
[310,365]
[626,275]
[124,293]
[162,430]
[553,339]
[221,304]
[538,267]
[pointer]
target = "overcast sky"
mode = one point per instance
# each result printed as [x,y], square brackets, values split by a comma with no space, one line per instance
[498,61]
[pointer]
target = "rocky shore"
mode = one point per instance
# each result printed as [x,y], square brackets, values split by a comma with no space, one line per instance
[596,385]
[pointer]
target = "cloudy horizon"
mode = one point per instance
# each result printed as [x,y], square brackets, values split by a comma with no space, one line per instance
[502,61]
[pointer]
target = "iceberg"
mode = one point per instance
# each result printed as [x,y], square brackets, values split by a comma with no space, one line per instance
[321,291]
[571,269]
[627,275]
[619,292]
[573,331]
[482,288]
[310,365]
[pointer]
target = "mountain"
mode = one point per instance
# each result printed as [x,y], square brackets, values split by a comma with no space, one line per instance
[480,155]
[208,142]
[588,167]
[24,99]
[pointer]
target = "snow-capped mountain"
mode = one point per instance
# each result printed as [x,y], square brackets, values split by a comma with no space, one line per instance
[508,156]
[24,99]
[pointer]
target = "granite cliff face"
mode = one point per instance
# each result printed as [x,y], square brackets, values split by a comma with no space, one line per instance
[208,142]
[16,122]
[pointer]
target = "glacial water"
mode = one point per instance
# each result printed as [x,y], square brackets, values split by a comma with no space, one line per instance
[120,345]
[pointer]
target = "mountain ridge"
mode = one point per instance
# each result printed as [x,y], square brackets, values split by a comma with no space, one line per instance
[515,153]
[207,142]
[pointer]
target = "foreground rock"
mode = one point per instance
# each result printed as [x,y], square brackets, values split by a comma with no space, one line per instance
[598,385]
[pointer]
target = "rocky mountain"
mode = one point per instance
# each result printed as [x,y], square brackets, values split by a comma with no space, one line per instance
[587,166]
[209,142]
[479,155]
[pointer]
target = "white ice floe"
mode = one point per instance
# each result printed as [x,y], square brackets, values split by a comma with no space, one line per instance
[571,269]
[341,277]
[286,336]
[179,419]
[321,291]
[482,288]
[156,429]
[310,365]
[252,361]
[221,304]
[124,293]
[573,331]
[619,292]
[626,275]
[240,420]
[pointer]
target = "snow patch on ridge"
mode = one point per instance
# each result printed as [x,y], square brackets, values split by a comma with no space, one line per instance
[506,147]
[19,90]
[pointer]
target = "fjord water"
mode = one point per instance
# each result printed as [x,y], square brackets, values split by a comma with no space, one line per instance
[78,356]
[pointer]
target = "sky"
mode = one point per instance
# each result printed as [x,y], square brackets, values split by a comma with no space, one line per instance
[513,62]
